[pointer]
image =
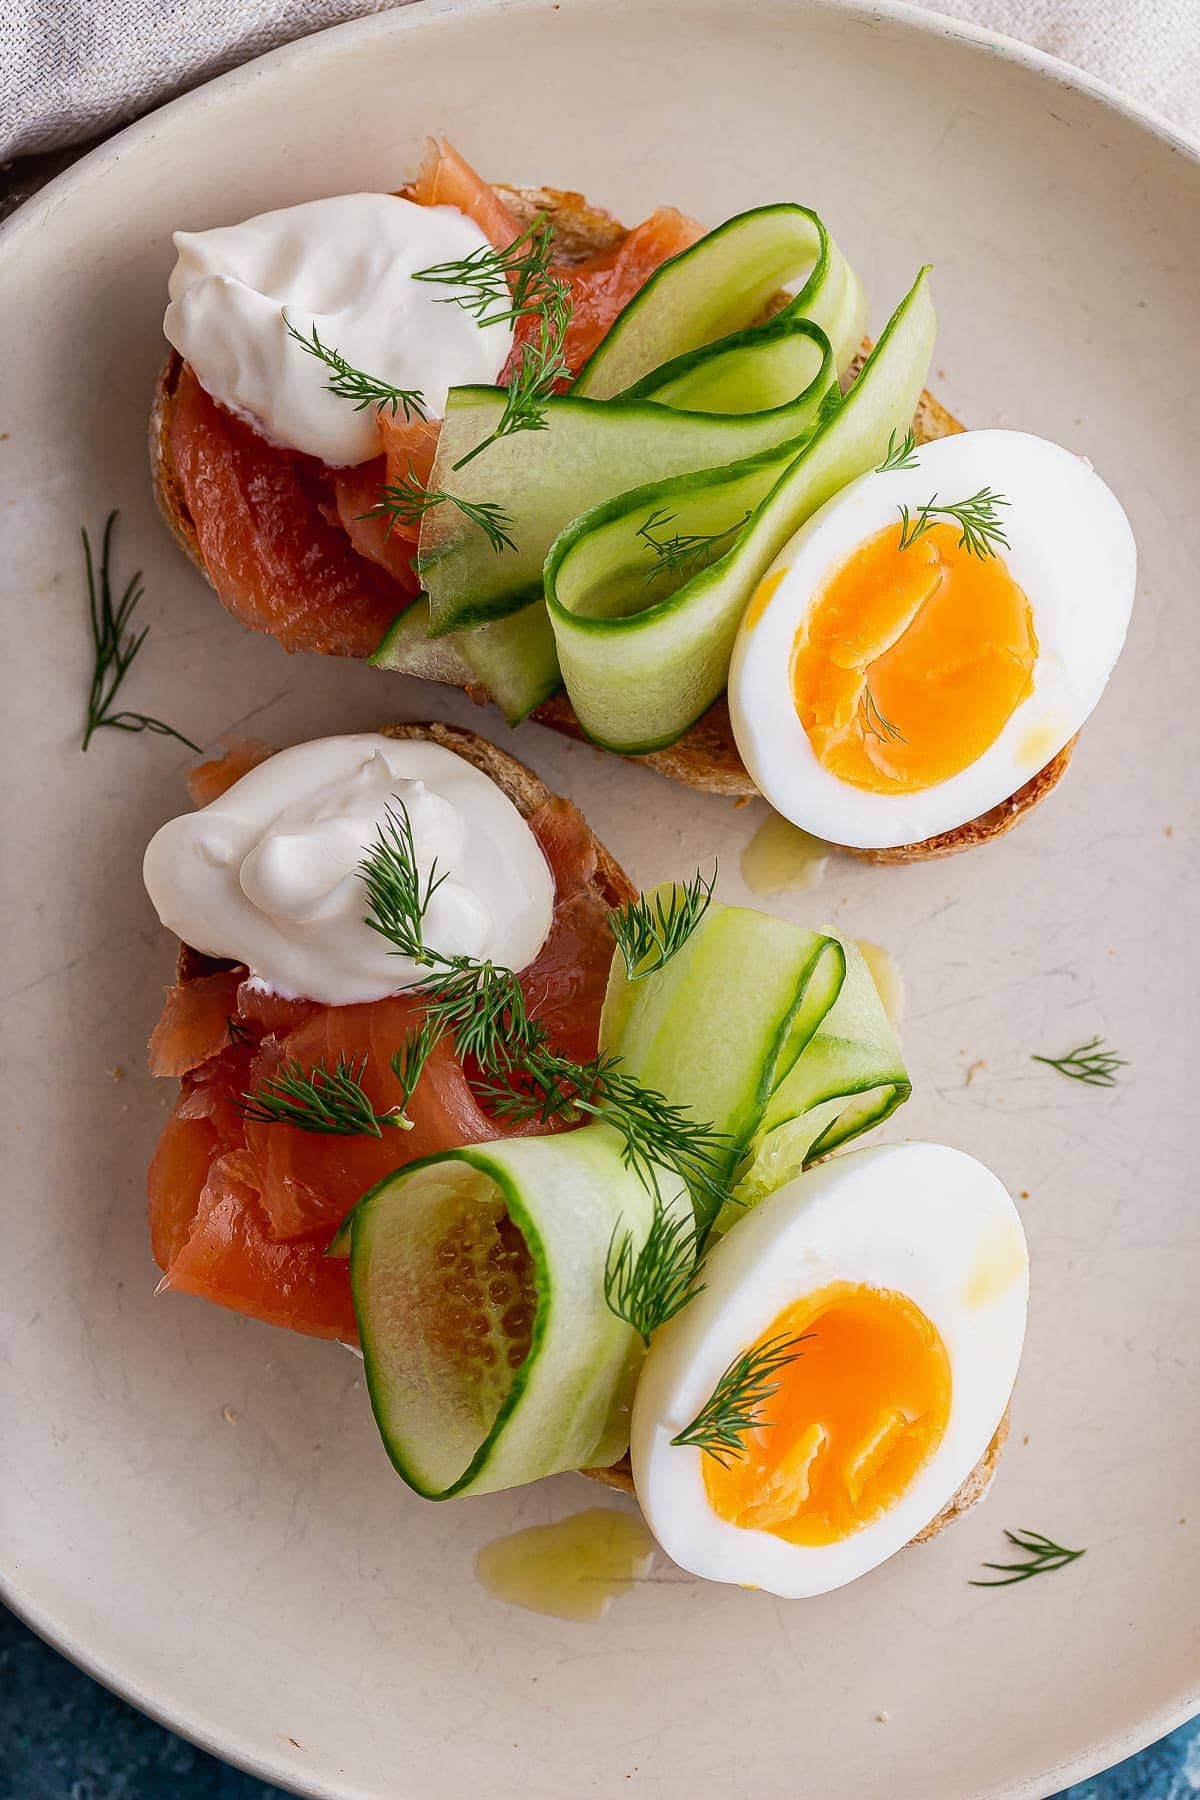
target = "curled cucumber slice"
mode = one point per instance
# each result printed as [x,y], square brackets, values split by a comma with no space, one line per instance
[776,1034]
[407,648]
[642,659]
[491,1355]
[696,310]
[514,658]
[850,1077]
[587,452]
[686,379]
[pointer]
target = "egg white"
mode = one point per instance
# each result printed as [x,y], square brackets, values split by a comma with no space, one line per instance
[1071,551]
[923,1219]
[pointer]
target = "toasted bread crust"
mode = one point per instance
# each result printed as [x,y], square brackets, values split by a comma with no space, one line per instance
[580,229]
[706,756]
[164,476]
[991,824]
[974,1488]
[527,793]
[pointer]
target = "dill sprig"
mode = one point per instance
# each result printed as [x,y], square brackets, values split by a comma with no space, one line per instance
[540,366]
[876,722]
[977,519]
[514,279]
[408,1063]
[1089,1063]
[349,383]
[685,553]
[479,1003]
[405,503]
[482,1006]
[329,1103]
[660,1134]
[657,1133]
[648,1286]
[397,896]
[902,455]
[720,1427]
[649,932]
[1042,1553]
[114,645]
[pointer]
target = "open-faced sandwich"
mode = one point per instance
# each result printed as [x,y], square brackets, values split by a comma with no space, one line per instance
[647,486]
[562,1160]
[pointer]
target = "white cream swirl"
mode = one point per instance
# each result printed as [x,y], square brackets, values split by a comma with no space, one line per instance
[346,266]
[267,875]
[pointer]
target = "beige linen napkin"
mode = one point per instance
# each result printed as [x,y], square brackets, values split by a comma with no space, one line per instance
[72,68]
[1149,49]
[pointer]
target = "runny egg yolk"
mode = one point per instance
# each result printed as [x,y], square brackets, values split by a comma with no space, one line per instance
[911,662]
[857,1414]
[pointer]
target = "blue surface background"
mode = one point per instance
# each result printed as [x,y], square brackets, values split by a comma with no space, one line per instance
[63,1737]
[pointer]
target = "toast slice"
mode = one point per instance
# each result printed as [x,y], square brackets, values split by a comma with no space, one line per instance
[527,794]
[706,756]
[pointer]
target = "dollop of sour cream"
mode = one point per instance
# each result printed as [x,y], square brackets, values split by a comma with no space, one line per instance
[266,875]
[344,265]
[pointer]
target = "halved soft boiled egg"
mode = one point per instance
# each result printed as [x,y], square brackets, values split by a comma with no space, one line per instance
[883,1294]
[887,685]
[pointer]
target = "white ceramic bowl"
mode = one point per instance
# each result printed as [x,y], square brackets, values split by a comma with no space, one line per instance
[268,1586]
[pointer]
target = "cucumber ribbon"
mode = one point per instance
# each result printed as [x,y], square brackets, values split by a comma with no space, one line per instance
[644,653]
[657,398]
[695,410]
[513,660]
[775,1034]
[454,1419]
[690,376]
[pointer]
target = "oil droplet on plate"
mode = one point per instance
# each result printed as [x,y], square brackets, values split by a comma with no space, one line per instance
[780,856]
[886,975]
[573,1569]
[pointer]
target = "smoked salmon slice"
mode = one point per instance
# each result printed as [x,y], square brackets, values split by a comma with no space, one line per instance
[309,1183]
[604,285]
[241,1211]
[194,1023]
[408,452]
[292,546]
[209,780]
[447,179]
[230,1256]
[276,561]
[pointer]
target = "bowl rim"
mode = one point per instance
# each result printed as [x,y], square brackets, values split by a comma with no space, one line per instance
[205,1733]
[920,20]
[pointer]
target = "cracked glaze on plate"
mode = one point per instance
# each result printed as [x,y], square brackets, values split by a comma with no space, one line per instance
[196,1507]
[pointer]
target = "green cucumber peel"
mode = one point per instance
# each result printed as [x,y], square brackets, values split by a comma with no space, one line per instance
[447,1429]
[513,658]
[694,403]
[588,451]
[641,665]
[340,1243]
[407,648]
[712,292]
[775,1033]
[850,1078]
